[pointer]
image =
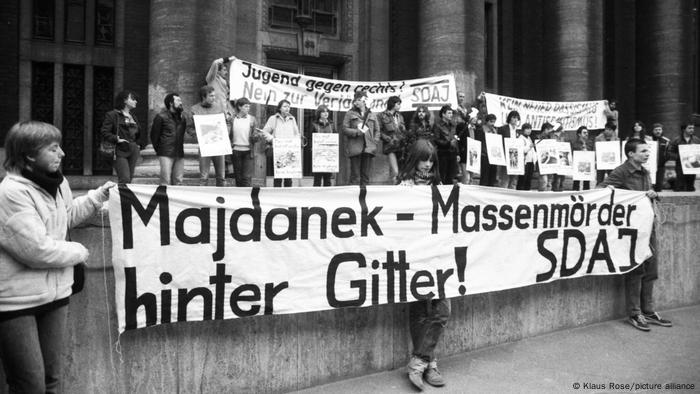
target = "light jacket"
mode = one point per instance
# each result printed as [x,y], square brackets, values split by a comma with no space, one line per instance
[36,261]
[358,142]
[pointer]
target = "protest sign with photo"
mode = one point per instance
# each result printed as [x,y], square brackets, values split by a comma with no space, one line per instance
[184,253]
[607,155]
[547,156]
[473,155]
[584,166]
[689,155]
[287,157]
[212,135]
[263,85]
[324,152]
[565,159]
[494,149]
[516,157]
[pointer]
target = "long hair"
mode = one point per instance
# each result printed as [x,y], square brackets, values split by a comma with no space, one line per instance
[415,118]
[421,150]
[27,139]
[119,100]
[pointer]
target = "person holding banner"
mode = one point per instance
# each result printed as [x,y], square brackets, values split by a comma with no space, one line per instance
[361,130]
[426,318]
[122,128]
[684,183]
[207,106]
[489,172]
[282,125]
[657,131]
[322,124]
[392,132]
[468,130]
[36,262]
[608,134]
[610,111]
[446,141]
[639,283]
[217,77]
[582,143]
[243,141]
[525,180]
[508,130]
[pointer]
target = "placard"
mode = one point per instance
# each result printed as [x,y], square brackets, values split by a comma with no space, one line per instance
[212,135]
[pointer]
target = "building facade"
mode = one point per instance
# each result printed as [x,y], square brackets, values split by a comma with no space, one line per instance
[66,59]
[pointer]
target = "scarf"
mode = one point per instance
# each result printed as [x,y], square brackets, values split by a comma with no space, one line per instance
[49,182]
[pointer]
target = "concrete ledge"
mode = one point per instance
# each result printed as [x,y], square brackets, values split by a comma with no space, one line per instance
[288,352]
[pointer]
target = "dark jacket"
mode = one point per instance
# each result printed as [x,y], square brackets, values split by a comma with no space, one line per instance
[505,131]
[392,134]
[168,134]
[673,148]
[418,130]
[663,150]
[579,144]
[626,176]
[444,136]
[358,142]
[115,125]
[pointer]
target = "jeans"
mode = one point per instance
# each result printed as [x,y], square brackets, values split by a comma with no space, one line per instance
[639,288]
[31,349]
[557,182]
[545,183]
[172,170]
[360,167]
[427,320]
[506,181]
[125,166]
[242,167]
[219,168]
[322,179]
[447,163]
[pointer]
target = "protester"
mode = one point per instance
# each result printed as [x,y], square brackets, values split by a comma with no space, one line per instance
[419,127]
[361,131]
[282,125]
[244,137]
[684,183]
[427,318]
[508,130]
[545,180]
[392,131]
[217,77]
[611,113]
[168,137]
[608,134]
[489,172]
[525,180]
[121,127]
[558,179]
[322,125]
[207,106]
[639,283]
[468,130]
[638,131]
[657,131]
[36,262]
[445,139]
[582,143]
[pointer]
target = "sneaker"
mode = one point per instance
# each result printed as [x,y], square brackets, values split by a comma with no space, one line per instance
[415,368]
[433,376]
[639,322]
[654,318]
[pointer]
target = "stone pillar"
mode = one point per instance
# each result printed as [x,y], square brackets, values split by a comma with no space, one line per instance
[664,63]
[573,50]
[451,40]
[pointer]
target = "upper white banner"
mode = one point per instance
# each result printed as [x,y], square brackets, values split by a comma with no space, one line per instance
[197,253]
[571,114]
[264,85]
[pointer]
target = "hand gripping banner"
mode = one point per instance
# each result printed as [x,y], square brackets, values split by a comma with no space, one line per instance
[195,253]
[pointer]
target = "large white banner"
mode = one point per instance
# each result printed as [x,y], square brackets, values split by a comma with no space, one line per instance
[264,85]
[571,114]
[191,253]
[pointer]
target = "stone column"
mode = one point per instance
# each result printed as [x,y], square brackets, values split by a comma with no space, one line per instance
[451,40]
[664,61]
[573,50]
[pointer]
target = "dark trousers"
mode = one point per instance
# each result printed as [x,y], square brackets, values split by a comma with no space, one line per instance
[639,288]
[31,351]
[525,181]
[586,185]
[488,176]
[557,182]
[278,182]
[360,167]
[684,183]
[125,166]
[427,320]
[322,179]
[447,163]
[601,174]
[660,176]
[242,167]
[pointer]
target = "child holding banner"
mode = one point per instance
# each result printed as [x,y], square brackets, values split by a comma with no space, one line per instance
[36,262]
[427,318]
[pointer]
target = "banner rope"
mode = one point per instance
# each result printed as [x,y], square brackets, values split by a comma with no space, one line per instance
[117,344]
